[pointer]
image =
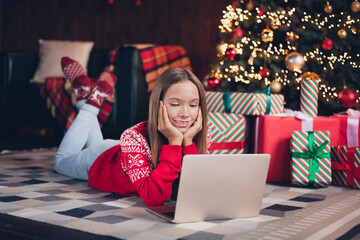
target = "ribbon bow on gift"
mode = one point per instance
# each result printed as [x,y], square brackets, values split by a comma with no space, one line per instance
[306,120]
[312,154]
[352,172]
[227,100]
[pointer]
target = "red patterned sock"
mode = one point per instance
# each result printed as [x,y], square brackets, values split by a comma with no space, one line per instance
[77,76]
[104,87]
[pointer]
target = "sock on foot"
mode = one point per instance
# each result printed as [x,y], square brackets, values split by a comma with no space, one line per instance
[104,87]
[77,76]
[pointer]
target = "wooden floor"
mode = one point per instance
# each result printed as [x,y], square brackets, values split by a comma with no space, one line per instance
[15,228]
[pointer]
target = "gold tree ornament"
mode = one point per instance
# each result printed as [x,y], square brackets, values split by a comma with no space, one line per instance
[275,23]
[275,87]
[250,6]
[294,61]
[342,33]
[355,6]
[310,76]
[328,8]
[267,35]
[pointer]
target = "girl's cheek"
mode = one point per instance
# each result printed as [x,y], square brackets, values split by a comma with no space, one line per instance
[195,112]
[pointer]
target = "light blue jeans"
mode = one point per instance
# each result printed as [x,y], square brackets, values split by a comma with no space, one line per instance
[82,144]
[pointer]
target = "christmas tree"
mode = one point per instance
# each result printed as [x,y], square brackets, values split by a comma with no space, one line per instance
[277,44]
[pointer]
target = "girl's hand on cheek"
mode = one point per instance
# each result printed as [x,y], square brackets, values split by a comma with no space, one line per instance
[193,130]
[173,135]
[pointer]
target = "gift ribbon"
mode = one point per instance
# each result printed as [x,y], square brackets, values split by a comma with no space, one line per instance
[312,154]
[306,120]
[226,145]
[227,104]
[352,172]
[352,130]
[267,91]
[227,100]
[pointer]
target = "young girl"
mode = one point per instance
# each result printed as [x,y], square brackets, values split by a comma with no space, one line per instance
[147,159]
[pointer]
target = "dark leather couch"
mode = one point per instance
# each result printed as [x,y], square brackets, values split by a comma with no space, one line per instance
[22,105]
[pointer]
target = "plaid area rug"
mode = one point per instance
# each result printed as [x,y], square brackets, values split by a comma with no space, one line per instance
[30,189]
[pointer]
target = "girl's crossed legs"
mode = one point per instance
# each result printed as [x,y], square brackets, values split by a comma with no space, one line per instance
[71,159]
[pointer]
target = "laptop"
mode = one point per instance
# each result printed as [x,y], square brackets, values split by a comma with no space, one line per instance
[214,187]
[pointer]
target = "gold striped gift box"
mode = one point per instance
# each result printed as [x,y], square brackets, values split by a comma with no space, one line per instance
[245,103]
[345,163]
[227,133]
[310,158]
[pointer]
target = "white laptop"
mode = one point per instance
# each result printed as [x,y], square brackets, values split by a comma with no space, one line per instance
[214,187]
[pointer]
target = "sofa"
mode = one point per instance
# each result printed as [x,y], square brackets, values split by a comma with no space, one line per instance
[21,104]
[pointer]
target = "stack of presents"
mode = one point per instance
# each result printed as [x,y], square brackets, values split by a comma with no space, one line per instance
[306,149]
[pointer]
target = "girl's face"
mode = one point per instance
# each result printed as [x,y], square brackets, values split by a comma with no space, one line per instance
[182,104]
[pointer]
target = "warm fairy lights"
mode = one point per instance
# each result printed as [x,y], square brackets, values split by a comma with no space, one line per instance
[320,22]
[238,72]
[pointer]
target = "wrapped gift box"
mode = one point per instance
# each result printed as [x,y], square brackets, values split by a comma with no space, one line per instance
[272,135]
[228,133]
[310,158]
[349,130]
[346,166]
[245,103]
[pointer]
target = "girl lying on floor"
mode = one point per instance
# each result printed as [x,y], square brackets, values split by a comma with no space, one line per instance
[147,159]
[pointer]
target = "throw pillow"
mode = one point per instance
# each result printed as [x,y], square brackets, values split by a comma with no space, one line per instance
[51,52]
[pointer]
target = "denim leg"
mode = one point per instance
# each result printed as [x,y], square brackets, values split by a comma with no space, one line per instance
[70,160]
[77,165]
[95,134]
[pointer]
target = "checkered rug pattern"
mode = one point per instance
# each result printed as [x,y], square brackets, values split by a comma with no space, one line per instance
[30,189]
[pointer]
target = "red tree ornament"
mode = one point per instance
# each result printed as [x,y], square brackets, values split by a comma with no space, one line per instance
[347,98]
[327,44]
[230,54]
[236,33]
[261,11]
[235,4]
[264,72]
[213,82]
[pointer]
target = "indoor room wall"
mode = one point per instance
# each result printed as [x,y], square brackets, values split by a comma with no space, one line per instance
[192,24]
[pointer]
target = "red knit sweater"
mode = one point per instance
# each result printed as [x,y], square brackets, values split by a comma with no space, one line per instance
[126,169]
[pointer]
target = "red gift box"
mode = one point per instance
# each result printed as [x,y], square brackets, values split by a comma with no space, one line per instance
[349,130]
[345,167]
[272,135]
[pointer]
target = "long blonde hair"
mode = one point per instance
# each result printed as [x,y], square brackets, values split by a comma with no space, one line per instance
[162,84]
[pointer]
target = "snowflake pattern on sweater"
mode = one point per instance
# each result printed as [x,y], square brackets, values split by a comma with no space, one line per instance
[136,154]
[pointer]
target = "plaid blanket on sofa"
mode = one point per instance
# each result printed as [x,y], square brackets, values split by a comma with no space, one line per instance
[60,100]
[159,58]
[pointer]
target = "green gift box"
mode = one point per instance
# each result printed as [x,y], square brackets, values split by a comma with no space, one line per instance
[310,158]
[245,103]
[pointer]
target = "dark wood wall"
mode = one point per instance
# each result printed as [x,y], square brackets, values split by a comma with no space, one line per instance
[192,24]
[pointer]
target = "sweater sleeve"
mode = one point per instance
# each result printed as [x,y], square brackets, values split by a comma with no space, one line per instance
[191,149]
[153,185]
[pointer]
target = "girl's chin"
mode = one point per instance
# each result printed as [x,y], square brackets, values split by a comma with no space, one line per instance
[183,130]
